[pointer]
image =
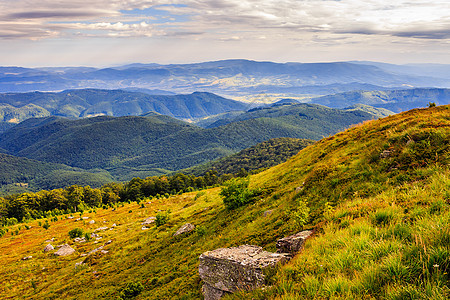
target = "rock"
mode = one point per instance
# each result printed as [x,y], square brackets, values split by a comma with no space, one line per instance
[65,250]
[294,243]
[237,268]
[94,235]
[70,217]
[79,240]
[144,228]
[49,247]
[113,225]
[50,240]
[108,242]
[188,227]
[148,221]
[100,229]
[85,218]
[211,293]
[268,212]
[27,257]
[385,154]
[91,222]
[79,264]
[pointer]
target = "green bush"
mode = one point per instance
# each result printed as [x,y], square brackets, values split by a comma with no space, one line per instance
[236,193]
[131,290]
[76,232]
[46,225]
[161,219]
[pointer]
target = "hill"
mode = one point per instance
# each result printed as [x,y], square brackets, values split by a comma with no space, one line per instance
[395,100]
[126,145]
[19,174]
[376,194]
[261,156]
[91,102]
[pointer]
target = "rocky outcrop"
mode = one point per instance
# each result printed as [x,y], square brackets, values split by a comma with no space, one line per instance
[148,221]
[227,270]
[237,268]
[293,244]
[188,227]
[65,250]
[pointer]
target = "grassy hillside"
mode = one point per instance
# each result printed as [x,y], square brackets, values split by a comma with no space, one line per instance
[140,144]
[377,194]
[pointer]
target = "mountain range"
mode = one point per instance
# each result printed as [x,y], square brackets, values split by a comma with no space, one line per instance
[227,77]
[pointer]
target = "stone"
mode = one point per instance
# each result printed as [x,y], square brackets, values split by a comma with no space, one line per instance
[268,212]
[237,268]
[85,218]
[79,264]
[49,247]
[100,229]
[108,242]
[27,257]
[113,225]
[79,240]
[65,250]
[91,222]
[211,293]
[70,217]
[94,235]
[148,221]
[385,154]
[188,227]
[294,243]
[144,228]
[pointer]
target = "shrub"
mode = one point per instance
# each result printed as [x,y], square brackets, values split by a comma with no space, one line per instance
[76,232]
[131,290]
[46,225]
[236,193]
[161,219]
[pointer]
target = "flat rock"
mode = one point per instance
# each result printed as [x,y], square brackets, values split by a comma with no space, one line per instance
[65,250]
[293,244]
[49,247]
[27,257]
[148,221]
[101,229]
[91,222]
[237,268]
[79,240]
[188,227]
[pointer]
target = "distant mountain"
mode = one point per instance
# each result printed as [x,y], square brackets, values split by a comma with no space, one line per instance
[125,145]
[226,77]
[395,100]
[91,102]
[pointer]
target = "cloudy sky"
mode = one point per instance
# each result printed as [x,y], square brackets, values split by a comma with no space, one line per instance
[113,32]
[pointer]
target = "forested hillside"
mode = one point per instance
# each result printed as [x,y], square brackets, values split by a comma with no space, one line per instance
[126,145]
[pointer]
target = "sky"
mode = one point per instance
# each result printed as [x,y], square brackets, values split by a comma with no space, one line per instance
[105,33]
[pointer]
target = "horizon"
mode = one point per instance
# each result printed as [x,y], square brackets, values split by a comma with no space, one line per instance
[114,33]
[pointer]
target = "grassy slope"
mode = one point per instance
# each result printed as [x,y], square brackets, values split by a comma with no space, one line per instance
[382,237]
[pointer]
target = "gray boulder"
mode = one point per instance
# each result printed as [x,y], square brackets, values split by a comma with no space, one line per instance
[49,247]
[188,227]
[293,244]
[237,268]
[148,221]
[65,250]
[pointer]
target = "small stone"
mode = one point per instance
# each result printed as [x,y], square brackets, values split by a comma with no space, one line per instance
[188,227]
[385,154]
[85,218]
[79,264]
[91,222]
[27,257]
[79,240]
[100,229]
[148,221]
[114,225]
[70,217]
[268,212]
[108,242]
[144,228]
[49,247]
[65,250]
[294,243]
[94,235]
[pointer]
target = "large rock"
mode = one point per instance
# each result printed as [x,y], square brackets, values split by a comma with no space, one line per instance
[237,268]
[188,227]
[293,244]
[65,250]
[211,293]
